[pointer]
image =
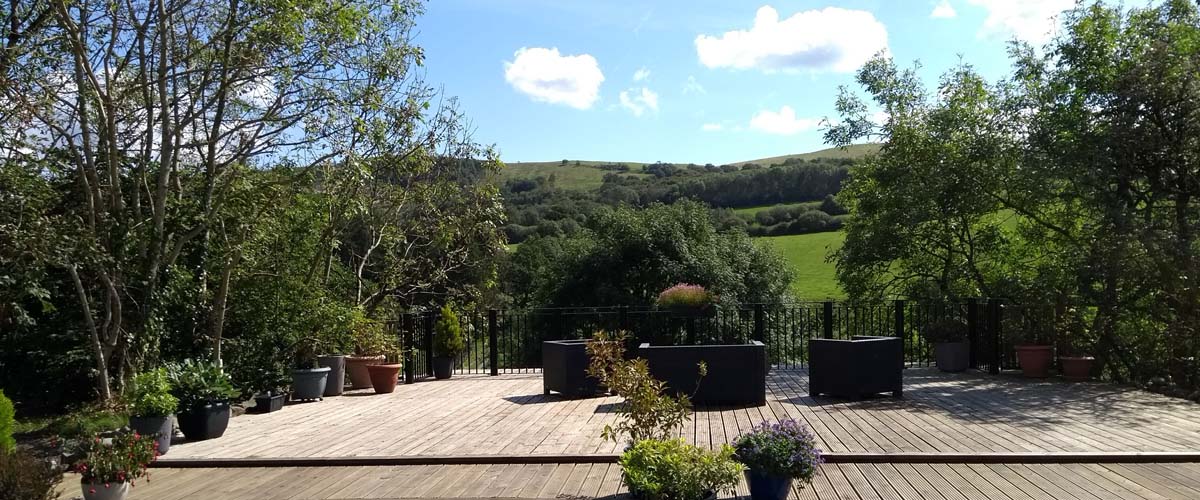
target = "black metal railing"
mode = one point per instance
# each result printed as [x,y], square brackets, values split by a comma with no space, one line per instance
[510,341]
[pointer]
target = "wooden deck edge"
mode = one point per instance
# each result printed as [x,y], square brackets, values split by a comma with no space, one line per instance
[837,458]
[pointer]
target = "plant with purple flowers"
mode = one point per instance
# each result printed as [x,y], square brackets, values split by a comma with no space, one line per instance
[783,449]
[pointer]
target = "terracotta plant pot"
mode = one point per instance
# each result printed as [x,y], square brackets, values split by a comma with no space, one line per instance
[1035,360]
[384,377]
[1076,368]
[356,368]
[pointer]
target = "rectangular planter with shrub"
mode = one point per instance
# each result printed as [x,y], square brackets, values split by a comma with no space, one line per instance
[737,374]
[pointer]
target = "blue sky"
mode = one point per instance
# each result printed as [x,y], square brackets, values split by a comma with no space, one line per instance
[703,81]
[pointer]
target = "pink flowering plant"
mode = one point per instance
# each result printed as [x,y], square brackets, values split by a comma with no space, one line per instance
[124,460]
[684,295]
[783,449]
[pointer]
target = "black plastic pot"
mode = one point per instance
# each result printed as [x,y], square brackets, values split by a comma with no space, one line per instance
[204,421]
[267,403]
[765,487]
[952,356]
[337,374]
[310,384]
[160,428]
[443,368]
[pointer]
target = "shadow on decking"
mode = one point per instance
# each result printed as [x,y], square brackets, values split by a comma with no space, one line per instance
[977,397]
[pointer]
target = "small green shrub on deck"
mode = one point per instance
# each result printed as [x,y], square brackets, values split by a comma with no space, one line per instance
[447,337]
[674,470]
[151,395]
[7,415]
[196,384]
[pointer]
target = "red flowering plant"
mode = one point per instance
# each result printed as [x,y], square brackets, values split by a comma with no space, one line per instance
[121,459]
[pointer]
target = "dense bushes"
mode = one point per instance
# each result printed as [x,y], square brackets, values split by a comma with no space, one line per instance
[27,477]
[7,417]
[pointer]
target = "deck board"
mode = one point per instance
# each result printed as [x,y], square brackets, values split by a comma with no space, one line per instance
[508,415]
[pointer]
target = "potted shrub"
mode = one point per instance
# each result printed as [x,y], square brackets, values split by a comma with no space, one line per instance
[447,343]
[370,344]
[775,455]
[203,391]
[1076,366]
[688,301]
[671,469]
[951,351]
[384,376]
[152,407]
[308,379]
[110,466]
[269,386]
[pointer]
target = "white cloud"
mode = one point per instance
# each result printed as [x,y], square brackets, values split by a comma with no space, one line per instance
[831,39]
[943,10]
[639,101]
[712,127]
[693,87]
[1029,20]
[782,122]
[546,76]
[641,74]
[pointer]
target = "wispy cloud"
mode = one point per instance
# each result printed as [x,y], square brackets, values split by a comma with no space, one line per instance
[943,10]
[693,87]
[830,39]
[782,122]
[1029,20]
[639,101]
[641,74]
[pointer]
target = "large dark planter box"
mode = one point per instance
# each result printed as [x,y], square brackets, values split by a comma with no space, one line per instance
[443,368]
[952,356]
[160,428]
[857,367]
[267,403]
[204,422]
[564,369]
[737,374]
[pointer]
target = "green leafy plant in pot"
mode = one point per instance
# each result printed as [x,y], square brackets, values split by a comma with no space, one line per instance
[674,470]
[951,351]
[1076,360]
[152,407]
[110,466]
[308,377]
[204,391]
[370,345]
[448,343]
[775,455]
[336,334]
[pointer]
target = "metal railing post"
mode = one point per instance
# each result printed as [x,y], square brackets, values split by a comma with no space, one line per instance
[428,341]
[493,348]
[827,319]
[410,360]
[759,323]
[972,333]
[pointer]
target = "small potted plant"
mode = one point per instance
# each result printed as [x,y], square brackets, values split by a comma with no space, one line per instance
[269,389]
[950,348]
[110,466]
[204,392]
[152,407]
[671,469]
[1076,365]
[688,301]
[308,378]
[447,343]
[1034,357]
[370,343]
[775,455]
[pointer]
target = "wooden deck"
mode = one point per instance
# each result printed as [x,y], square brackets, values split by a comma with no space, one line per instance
[508,415]
[567,481]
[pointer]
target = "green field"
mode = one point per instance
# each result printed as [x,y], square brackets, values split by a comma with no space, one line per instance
[585,176]
[851,151]
[750,211]
[814,277]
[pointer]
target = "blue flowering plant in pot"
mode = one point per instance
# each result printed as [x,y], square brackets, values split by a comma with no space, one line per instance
[776,455]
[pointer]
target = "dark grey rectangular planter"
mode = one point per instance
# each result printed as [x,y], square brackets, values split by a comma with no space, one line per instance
[564,369]
[267,403]
[857,367]
[737,374]
[952,356]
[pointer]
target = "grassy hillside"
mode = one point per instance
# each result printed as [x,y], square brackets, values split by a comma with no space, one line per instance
[852,151]
[584,176]
[814,278]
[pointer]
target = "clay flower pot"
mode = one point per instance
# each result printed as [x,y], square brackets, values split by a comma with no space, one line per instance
[1035,360]
[356,368]
[1076,368]
[384,377]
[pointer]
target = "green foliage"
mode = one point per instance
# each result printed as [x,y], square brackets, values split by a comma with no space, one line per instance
[447,334]
[945,330]
[7,419]
[85,421]
[150,394]
[653,248]
[123,458]
[783,449]
[197,383]
[815,275]
[645,411]
[24,476]
[370,339]
[670,469]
